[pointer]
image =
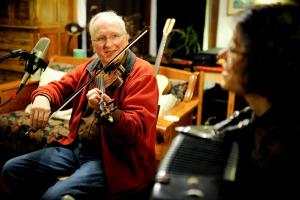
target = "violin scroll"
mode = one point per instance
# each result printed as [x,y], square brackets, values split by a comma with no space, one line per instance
[114,79]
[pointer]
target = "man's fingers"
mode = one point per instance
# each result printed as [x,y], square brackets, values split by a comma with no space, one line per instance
[45,119]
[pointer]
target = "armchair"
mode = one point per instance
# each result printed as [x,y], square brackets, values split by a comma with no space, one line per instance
[13,117]
[183,113]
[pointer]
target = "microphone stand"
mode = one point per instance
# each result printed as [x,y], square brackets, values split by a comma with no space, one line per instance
[14,54]
[30,60]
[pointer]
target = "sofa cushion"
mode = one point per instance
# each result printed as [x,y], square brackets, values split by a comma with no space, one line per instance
[178,88]
[62,67]
[14,125]
[50,75]
[166,102]
[177,92]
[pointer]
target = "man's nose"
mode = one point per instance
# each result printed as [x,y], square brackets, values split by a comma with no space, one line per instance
[108,42]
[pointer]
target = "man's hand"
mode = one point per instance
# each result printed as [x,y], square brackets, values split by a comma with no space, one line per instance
[40,112]
[94,96]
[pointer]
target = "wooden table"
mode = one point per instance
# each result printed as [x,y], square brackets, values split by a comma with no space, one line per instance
[8,91]
[212,74]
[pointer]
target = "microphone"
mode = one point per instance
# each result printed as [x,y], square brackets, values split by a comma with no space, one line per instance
[35,60]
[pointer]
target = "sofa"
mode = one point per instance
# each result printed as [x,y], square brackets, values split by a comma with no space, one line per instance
[14,118]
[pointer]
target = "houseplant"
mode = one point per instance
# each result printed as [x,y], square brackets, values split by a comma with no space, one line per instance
[183,43]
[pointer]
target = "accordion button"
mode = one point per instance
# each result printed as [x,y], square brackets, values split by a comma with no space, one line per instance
[195,193]
[163,179]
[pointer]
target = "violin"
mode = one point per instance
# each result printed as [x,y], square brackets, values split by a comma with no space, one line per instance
[113,76]
[108,83]
[103,69]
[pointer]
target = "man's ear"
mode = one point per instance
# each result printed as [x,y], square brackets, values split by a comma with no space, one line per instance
[127,36]
[93,47]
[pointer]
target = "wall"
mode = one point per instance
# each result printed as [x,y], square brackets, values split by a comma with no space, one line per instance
[226,25]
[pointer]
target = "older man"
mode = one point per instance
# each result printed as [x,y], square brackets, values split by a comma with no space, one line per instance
[105,154]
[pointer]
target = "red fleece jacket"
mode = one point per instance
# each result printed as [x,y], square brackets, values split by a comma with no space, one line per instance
[128,148]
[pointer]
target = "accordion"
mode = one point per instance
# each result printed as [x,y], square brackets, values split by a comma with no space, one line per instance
[198,165]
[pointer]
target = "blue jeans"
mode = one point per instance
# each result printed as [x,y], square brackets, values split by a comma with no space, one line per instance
[34,175]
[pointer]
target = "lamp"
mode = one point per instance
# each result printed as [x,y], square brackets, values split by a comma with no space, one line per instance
[73,30]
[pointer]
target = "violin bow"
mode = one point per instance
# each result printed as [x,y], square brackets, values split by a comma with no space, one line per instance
[144,31]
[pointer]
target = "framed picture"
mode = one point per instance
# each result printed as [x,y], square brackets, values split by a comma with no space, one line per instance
[237,6]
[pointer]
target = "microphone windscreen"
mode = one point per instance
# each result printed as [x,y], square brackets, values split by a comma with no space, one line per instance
[37,55]
[41,48]
[36,60]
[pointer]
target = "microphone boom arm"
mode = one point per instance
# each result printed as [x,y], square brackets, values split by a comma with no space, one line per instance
[14,54]
[28,57]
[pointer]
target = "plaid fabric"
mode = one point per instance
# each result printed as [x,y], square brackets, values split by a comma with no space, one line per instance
[179,88]
[14,125]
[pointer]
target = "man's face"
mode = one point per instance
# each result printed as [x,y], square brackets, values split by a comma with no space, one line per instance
[109,39]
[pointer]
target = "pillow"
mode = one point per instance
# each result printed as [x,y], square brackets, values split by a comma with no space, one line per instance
[62,67]
[166,102]
[47,76]
[50,75]
[179,88]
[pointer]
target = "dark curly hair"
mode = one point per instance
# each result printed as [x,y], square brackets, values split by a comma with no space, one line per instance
[272,38]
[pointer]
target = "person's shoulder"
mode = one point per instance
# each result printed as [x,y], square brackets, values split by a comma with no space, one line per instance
[143,66]
[142,62]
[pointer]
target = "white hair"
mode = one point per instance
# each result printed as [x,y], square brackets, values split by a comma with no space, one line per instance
[107,14]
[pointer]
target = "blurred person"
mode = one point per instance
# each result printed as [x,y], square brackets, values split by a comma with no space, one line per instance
[262,64]
[104,156]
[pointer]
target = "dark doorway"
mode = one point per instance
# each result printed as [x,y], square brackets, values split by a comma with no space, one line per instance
[135,12]
[189,13]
